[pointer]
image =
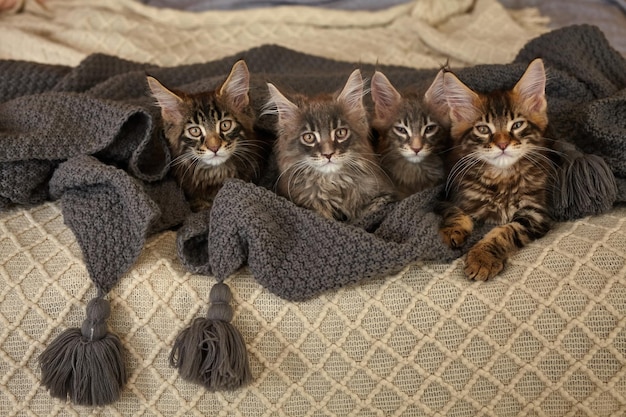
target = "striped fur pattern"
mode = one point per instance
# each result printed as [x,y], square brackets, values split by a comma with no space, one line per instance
[211,136]
[500,169]
[410,135]
[325,160]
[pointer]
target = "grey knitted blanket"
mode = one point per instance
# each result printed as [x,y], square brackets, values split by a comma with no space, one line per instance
[89,136]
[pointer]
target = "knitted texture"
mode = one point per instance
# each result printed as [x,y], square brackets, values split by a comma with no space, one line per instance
[101,108]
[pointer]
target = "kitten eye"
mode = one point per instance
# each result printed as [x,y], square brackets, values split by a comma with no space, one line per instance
[226,125]
[430,129]
[483,129]
[401,130]
[341,134]
[308,138]
[194,131]
[518,124]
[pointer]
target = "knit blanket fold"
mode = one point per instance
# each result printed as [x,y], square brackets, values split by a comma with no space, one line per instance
[90,137]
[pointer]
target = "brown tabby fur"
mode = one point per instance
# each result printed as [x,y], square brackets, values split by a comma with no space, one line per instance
[211,136]
[411,135]
[337,173]
[500,169]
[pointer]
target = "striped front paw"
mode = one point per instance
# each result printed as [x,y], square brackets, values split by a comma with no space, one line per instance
[456,228]
[454,236]
[481,264]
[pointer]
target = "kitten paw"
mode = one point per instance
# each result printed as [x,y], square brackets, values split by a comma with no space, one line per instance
[481,265]
[453,236]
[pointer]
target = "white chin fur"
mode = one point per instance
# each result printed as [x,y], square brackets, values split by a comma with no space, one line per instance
[415,158]
[328,167]
[213,160]
[503,160]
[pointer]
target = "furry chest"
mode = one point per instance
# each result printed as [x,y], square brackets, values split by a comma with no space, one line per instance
[495,202]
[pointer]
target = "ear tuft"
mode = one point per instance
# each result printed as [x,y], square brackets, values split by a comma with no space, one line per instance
[531,88]
[279,104]
[386,98]
[435,99]
[352,94]
[169,102]
[237,85]
[462,101]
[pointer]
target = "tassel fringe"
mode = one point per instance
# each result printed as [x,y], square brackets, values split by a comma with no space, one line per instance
[86,364]
[211,352]
[585,186]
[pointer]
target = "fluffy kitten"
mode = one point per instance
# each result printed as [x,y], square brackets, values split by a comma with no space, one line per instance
[500,169]
[211,136]
[412,132]
[325,160]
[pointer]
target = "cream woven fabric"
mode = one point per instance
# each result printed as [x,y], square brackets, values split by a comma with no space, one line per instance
[546,338]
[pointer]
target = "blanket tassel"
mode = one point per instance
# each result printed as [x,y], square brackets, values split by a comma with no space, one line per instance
[585,185]
[211,352]
[85,364]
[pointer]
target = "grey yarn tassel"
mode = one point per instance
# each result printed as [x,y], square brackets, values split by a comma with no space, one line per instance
[86,364]
[211,352]
[585,185]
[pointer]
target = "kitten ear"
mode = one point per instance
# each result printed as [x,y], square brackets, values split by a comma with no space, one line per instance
[352,94]
[531,88]
[435,99]
[462,101]
[169,102]
[286,109]
[386,98]
[237,85]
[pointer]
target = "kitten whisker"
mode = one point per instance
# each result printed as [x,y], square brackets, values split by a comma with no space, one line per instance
[448,149]
[245,158]
[460,168]
[253,143]
[373,167]
[297,168]
[180,160]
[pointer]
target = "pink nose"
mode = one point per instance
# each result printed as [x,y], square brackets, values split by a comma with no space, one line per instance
[416,150]
[214,149]
[502,145]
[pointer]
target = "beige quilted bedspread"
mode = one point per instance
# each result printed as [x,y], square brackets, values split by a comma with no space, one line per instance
[546,338]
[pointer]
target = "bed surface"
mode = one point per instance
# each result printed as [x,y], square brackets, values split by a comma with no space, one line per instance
[545,338]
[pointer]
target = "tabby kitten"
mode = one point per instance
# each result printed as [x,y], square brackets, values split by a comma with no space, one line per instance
[211,136]
[500,169]
[412,132]
[325,160]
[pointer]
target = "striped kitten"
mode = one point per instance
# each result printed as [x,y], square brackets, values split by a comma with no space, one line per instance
[412,132]
[325,160]
[211,136]
[500,169]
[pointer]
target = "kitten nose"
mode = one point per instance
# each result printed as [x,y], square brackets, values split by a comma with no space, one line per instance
[214,148]
[502,145]
[416,150]
[328,155]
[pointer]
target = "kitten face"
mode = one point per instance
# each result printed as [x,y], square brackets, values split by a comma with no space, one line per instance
[502,138]
[325,134]
[500,128]
[325,159]
[406,123]
[413,133]
[211,135]
[323,140]
[206,128]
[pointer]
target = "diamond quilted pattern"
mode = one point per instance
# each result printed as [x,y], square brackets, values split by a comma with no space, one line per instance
[425,341]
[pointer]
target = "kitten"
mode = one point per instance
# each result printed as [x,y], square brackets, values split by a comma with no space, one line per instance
[412,133]
[325,160]
[500,169]
[211,136]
